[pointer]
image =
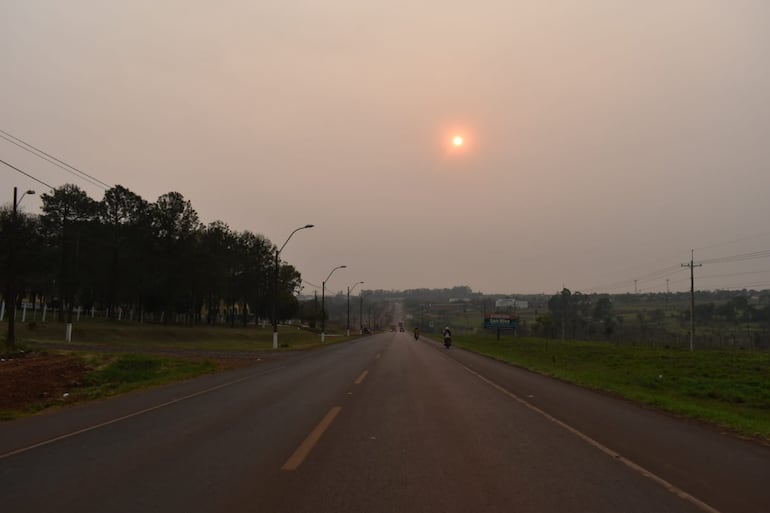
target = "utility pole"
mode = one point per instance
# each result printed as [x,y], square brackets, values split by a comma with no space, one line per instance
[636,290]
[10,301]
[692,265]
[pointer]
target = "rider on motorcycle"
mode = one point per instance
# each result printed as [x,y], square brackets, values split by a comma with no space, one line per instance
[447,337]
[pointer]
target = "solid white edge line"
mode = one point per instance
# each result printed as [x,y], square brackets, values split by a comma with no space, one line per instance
[606,450]
[125,417]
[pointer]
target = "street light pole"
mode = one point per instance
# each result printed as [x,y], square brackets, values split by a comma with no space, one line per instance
[275,284]
[10,340]
[323,302]
[350,289]
[361,312]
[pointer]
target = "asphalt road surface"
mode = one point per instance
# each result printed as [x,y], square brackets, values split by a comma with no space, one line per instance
[382,424]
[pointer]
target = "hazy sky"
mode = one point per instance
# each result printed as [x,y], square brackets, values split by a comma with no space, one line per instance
[603,139]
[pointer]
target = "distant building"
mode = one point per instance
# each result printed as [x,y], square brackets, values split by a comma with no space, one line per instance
[511,304]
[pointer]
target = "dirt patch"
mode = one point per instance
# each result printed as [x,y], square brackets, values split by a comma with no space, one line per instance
[28,379]
[39,379]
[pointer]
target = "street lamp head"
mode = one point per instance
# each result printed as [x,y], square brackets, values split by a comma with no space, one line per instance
[332,272]
[289,238]
[17,203]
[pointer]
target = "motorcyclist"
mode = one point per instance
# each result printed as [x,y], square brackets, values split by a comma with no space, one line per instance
[447,337]
[416,333]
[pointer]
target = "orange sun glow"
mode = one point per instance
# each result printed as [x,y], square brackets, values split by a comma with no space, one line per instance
[457,140]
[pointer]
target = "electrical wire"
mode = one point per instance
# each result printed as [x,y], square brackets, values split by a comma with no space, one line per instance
[738,258]
[653,276]
[673,270]
[26,174]
[743,239]
[663,273]
[710,276]
[311,284]
[53,160]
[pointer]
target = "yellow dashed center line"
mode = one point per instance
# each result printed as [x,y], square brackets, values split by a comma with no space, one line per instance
[305,447]
[361,377]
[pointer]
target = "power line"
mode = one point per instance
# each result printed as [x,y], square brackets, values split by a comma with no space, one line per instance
[608,286]
[26,174]
[711,276]
[739,258]
[750,237]
[659,274]
[673,270]
[652,276]
[53,160]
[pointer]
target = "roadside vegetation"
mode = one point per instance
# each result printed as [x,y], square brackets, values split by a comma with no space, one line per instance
[54,379]
[134,336]
[636,346]
[728,388]
[633,346]
[111,358]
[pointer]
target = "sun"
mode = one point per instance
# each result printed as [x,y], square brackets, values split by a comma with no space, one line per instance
[457,141]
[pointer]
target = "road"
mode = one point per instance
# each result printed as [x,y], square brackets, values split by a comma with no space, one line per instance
[382,424]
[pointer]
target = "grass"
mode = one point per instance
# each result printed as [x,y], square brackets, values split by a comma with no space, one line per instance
[115,374]
[137,336]
[128,363]
[728,388]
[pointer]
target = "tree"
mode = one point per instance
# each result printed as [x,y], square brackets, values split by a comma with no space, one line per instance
[544,324]
[603,309]
[123,216]
[568,309]
[258,268]
[289,280]
[214,257]
[126,252]
[17,233]
[704,312]
[174,223]
[67,222]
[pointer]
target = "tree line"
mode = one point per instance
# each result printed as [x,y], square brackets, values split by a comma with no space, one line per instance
[575,315]
[154,259]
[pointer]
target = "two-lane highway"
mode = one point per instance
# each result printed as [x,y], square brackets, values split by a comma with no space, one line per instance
[384,423]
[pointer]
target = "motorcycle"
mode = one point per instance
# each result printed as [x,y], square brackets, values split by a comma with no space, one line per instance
[447,341]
